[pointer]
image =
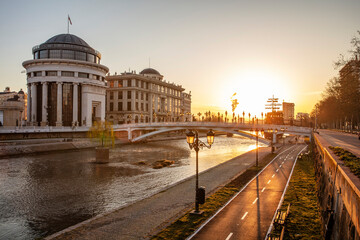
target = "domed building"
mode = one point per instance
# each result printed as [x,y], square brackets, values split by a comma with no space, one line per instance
[66,83]
[145,97]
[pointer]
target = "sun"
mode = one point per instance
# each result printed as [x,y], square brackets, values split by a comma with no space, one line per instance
[252,89]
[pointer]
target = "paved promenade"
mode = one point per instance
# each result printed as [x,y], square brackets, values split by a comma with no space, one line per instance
[143,218]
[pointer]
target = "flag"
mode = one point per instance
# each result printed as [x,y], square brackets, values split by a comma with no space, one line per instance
[69,19]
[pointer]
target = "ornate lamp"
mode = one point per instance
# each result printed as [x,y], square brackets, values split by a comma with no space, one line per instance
[210,137]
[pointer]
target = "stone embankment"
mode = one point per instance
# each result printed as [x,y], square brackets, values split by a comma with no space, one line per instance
[31,146]
[338,193]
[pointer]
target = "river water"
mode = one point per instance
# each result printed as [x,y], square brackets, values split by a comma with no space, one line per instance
[45,193]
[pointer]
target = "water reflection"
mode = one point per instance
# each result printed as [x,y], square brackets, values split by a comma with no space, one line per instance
[43,194]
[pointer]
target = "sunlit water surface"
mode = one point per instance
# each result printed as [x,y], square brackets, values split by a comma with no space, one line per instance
[43,194]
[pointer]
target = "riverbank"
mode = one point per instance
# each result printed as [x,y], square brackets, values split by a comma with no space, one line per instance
[33,146]
[141,219]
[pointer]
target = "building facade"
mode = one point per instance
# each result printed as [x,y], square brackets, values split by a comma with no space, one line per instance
[144,97]
[288,112]
[66,83]
[12,108]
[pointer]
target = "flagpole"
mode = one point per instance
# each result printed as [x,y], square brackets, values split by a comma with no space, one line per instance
[68,23]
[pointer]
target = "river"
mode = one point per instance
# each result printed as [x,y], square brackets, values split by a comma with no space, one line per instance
[45,193]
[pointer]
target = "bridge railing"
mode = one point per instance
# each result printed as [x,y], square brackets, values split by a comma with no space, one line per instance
[266,127]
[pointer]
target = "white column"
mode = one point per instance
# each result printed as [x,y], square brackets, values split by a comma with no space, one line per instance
[44,104]
[59,104]
[75,104]
[33,103]
[28,119]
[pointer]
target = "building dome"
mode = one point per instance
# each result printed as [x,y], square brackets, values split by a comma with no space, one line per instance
[21,91]
[149,71]
[68,39]
[66,46]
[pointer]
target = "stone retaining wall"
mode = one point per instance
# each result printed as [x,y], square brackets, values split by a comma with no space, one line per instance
[338,193]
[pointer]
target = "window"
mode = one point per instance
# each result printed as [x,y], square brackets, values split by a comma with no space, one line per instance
[120,83]
[147,96]
[36,55]
[128,94]
[43,54]
[111,95]
[142,96]
[142,84]
[51,73]
[55,54]
[120,95]
[83,75]
[67,74]
[137,106]
[111,84]
[136,95]
[68,54]
[129,106]
[97,77]
[90,58]
[67,104]
[111,107]
[142,107]
[28,75]
[38,74]
[147,107]
[80,56]
[137,83]
[129,83]
[120,106]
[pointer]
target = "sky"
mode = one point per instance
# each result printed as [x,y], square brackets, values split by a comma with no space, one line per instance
[214,49]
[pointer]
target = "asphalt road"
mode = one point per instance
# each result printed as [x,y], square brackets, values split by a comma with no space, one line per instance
[249,215]
[347,141]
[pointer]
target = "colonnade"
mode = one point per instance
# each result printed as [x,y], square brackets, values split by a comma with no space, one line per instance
[32,104]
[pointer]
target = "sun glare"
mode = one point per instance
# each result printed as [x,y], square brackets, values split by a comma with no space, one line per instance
[252,91]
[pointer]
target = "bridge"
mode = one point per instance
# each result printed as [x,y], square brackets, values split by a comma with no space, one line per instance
[241,129]
[152,129]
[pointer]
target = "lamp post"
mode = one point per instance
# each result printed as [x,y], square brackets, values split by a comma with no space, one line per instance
[257,150]
[194,143]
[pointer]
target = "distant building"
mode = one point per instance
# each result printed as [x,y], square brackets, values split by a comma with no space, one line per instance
[145,97]
[275,117]
[186,107]
[288,112]
[12,107]
[66,83]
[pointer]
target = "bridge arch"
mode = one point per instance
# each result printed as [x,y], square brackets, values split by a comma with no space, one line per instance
[164,130]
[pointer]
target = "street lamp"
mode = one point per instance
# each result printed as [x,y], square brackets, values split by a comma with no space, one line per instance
[194,143]
[257,150]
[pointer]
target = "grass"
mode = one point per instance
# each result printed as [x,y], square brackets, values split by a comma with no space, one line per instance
[349,159]
[304,220]
[187,224]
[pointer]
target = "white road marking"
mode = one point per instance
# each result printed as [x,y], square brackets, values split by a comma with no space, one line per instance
[277,170]
[263,189]
[273,175]
[255,200]
[280,166]
[244,216]
[268,181]
[283,162]
[229,236]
